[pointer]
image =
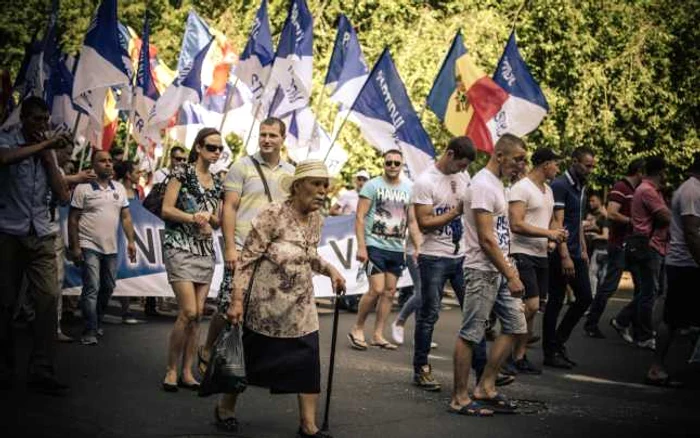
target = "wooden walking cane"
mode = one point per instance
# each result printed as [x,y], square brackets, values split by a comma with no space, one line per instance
[331,366]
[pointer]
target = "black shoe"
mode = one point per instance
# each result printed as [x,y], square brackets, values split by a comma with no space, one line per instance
[557,361]
[318,434]
[169,387]
[226,424]
[593,332]
[565,356]
[192,386]
[47,385]
[524,366]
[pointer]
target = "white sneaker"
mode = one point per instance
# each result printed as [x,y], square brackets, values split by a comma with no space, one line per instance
[433,345]
[88,339]
[649,344]
[624,332]
[397,333]
[129,320]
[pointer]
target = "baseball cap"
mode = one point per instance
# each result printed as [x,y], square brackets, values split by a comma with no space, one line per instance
[543,154]
[362,174]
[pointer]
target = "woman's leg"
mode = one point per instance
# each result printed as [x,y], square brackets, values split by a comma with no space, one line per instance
[187,315]
[192,333]
[307,413]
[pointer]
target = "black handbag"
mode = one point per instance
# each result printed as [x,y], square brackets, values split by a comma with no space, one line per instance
[226,371]
[154,201]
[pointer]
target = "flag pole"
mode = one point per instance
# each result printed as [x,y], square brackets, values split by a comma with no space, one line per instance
[227,103]
[331,366]
[337,134]
[517,15]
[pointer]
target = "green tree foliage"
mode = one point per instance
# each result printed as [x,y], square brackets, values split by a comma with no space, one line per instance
[620,77]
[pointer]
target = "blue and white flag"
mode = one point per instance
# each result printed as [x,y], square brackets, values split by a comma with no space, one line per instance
[145,92]
[292,69]
[187,87]
[255,62]
[103,63]
[197,35]
[347,71]
[387,120]
[526,106]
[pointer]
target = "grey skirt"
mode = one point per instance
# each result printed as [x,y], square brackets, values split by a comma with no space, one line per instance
[182,265]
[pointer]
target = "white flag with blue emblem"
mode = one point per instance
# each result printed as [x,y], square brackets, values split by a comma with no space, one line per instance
[186,88]
[145,92]
[103,62]
[526,106]
[255,62]
[387,120]
[289,87]
[347,71]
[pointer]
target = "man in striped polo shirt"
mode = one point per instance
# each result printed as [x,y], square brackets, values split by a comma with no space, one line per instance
[245,196]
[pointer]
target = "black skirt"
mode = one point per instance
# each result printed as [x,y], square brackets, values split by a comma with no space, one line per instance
[284,365]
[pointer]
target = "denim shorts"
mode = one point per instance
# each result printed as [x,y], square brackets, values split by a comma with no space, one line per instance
[484,291]
[383,261]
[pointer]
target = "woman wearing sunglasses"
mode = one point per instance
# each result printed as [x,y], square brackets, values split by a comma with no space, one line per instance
[191,212]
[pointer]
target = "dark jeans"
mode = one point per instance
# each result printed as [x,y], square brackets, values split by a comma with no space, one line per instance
[553,337]
[434,273]
[638,311]
[34,257]
[610,283]
[99,279]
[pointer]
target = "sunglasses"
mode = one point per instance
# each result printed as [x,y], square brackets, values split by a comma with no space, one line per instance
[390,163]
[178,159]
[214,148]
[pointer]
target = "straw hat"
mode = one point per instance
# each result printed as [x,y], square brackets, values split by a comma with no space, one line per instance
[305,169]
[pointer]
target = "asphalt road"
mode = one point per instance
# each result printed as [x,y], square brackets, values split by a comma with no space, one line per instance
[115,391]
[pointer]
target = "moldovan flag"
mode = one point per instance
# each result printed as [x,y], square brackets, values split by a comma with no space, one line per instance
[465,99]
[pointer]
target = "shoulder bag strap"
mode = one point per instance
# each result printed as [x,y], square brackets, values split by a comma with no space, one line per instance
[262,177]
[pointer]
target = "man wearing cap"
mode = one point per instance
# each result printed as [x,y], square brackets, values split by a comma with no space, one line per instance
[347,202]
[245,196]
[530,210]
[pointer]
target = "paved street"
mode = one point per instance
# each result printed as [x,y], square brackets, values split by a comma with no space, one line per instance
[116,392]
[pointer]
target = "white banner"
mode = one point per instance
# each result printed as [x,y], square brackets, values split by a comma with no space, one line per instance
[148,278]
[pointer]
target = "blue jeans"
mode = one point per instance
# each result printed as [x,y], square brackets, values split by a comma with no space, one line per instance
[99,279]
[608,286]
[434,273]
[414,302]
[638,311]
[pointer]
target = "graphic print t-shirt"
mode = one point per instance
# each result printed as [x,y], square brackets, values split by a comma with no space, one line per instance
[443,192]
[387,219]
[486,193]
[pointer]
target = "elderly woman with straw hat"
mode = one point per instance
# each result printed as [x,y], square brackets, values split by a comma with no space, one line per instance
[280,321]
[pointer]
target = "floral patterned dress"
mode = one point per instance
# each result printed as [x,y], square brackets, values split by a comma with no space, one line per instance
[192,198]
[281,304]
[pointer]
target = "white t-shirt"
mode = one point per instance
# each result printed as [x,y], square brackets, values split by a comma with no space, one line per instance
[443,192]
[101,212]
[686,202]
[348,202]
[486,193]
[160,175]
[539,207]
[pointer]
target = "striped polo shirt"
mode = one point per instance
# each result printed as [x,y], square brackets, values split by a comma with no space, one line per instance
[243,179]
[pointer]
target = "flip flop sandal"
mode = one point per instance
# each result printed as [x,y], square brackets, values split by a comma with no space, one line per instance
[384,345]
[356,344]
[473,409]
[500,404]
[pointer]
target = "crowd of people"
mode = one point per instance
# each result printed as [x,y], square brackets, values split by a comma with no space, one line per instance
[515,239]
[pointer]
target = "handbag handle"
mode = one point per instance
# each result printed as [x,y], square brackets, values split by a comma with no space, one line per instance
[246,302]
